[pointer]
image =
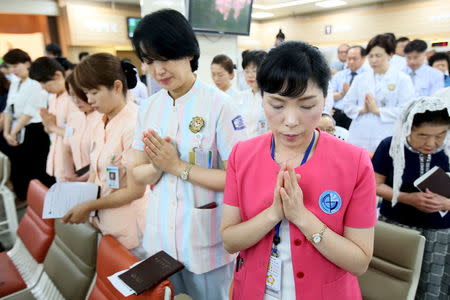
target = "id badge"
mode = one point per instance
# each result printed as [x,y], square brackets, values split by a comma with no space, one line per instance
[273,278]
[262,126]
[69,132]
[201,157]
[113,177]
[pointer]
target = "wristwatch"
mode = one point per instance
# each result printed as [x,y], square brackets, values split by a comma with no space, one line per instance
[185,174]
[317,237]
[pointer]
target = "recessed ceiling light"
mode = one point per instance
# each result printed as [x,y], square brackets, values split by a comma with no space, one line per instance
[284,4]
[262,15]
[331,3]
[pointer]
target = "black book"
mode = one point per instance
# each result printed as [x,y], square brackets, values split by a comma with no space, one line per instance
[152,271]
[436,180]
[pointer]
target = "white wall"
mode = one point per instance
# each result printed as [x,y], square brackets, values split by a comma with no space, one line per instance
[31,7]
[210,45]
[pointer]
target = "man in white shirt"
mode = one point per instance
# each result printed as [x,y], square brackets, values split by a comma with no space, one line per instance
[339,64]
[342,80]
[400,45]
[426,79]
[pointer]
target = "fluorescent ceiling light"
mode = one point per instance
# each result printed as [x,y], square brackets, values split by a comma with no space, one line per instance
[262,15]
[283,4]
[331,3]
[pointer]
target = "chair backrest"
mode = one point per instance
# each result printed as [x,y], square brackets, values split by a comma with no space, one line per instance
[35,232]
[395,267]
[5,168]
[341,133]
[70,262]
[113,257]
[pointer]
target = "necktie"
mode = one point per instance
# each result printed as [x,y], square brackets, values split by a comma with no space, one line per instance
[413,76]
[353,74]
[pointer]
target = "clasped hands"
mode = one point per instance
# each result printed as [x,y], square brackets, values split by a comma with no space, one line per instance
[162,153]
[288,197]
[370,105]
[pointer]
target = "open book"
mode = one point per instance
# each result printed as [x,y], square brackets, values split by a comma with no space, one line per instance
[63,196]
[146,274]
[437,181]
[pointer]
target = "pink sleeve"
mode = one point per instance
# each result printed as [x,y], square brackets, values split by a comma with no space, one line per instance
[127,140]
[361,211]
[231,188]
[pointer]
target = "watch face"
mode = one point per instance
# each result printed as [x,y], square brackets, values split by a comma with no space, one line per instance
[316,238]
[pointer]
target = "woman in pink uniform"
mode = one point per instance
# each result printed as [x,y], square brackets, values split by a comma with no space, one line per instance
[297,197]
[79,130]
[121,207]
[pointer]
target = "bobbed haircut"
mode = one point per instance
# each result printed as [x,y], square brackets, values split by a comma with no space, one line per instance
[384,41]
[254,57]
[288,68]
[437,117]
[166,35]
[225,62]
[16,56]
[102,69]
[53,49]
[44,68]
[439,56]
[71,84]
[416,45]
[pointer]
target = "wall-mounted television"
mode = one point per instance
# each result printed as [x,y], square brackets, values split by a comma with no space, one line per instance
[221,16]
[131,25]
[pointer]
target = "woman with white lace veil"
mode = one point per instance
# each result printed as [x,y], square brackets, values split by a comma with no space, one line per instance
[420,142]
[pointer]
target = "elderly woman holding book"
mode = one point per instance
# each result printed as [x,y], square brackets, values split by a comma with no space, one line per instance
[421,142]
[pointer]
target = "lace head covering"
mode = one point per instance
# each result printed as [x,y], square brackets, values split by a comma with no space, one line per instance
[403,130]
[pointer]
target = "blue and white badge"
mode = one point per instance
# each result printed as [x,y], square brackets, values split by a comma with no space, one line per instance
[238,123]
[330,202]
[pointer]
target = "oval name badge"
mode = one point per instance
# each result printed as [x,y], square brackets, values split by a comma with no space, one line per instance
[330,202]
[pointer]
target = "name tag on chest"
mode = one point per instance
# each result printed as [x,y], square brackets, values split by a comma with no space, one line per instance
[113,177]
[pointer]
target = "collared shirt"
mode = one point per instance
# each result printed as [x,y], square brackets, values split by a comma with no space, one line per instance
[427,80]
[338,65]
[398,62]
[233,92]
[59,162]
[205,118]
[352,189]
[111,145]
[26,98]
[250,104]
[79,135]
[392,91]
[341,77]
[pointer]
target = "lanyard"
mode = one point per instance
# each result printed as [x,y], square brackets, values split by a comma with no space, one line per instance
[276,237]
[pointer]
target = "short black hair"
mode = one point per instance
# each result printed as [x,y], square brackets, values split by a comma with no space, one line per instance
[439,56]
[53,49]
[280,36]
[82,54]
[384,41]
[402,39]
[416,45]
[362,51]
[16,56]
[288,68]
[65,63]
[44,68]
[437,117]
[254,57]
[165,35]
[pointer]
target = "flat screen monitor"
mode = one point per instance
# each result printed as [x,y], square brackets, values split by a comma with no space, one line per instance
[221,16]
[131,25]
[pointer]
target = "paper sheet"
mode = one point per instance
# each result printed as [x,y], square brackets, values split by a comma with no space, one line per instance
[121,286]
[63,196]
